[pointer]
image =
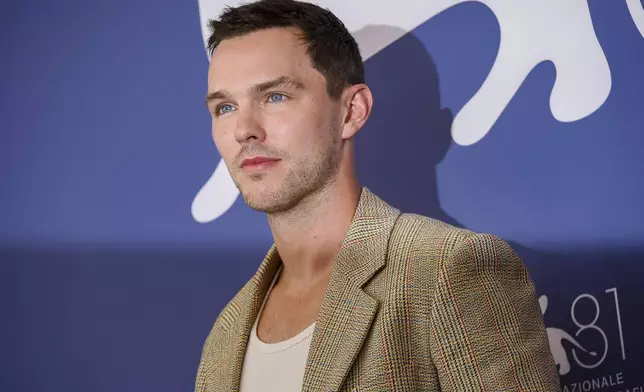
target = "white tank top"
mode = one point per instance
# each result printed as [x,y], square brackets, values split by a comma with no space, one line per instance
[275,367]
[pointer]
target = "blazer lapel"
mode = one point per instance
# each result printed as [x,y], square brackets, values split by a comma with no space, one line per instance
[346,312]
[246,305]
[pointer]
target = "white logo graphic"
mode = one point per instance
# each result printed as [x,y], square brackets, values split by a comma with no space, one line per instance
[556,336]
[636,9]
[531,32]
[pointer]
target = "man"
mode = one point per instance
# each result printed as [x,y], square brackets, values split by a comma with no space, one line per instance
[354,295]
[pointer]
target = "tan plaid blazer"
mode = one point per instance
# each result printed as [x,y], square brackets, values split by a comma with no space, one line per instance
[413,304]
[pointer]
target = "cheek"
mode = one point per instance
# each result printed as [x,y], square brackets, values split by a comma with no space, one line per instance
[224,141]
[297,131]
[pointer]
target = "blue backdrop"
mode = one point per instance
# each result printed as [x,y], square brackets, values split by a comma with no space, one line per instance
[109,283]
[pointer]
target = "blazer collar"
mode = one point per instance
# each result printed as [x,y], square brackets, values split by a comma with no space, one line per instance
[346,312]
[243,310]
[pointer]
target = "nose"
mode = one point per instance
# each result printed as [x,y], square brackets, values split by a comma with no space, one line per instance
[248,128]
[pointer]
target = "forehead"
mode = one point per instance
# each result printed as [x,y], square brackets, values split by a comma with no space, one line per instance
[257,57]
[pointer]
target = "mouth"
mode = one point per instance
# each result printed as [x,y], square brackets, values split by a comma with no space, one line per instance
[258,163]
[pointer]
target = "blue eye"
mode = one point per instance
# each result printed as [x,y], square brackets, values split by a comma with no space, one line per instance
[225,108]
[276,97]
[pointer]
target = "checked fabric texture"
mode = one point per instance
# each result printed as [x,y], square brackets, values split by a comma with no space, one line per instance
[413,304]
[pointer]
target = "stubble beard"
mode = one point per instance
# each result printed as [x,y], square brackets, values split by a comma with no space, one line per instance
[306,177]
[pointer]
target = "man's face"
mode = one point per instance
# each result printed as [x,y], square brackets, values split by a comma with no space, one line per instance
[273,122]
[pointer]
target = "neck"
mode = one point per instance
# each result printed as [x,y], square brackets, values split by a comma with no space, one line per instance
[309,236]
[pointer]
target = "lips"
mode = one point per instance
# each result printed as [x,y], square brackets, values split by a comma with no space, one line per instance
[257,162]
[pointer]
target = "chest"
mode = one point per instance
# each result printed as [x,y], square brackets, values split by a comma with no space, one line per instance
[286,314]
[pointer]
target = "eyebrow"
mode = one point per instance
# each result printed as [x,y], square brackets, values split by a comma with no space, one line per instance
[281,81]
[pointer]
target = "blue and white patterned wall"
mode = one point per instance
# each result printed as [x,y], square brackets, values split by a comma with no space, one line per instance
[121,236]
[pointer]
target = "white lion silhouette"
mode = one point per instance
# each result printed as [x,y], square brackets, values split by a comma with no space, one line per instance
[556,336]
[531,32]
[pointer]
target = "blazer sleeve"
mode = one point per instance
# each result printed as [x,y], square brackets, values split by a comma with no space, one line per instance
[487,330]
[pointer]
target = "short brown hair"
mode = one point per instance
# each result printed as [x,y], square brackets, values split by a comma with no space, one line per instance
[331,47]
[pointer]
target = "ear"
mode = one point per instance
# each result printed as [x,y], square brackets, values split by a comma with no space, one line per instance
[358,102]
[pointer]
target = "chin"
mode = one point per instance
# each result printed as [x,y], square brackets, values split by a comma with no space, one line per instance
[269,206]
[269,201]
[258,198]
